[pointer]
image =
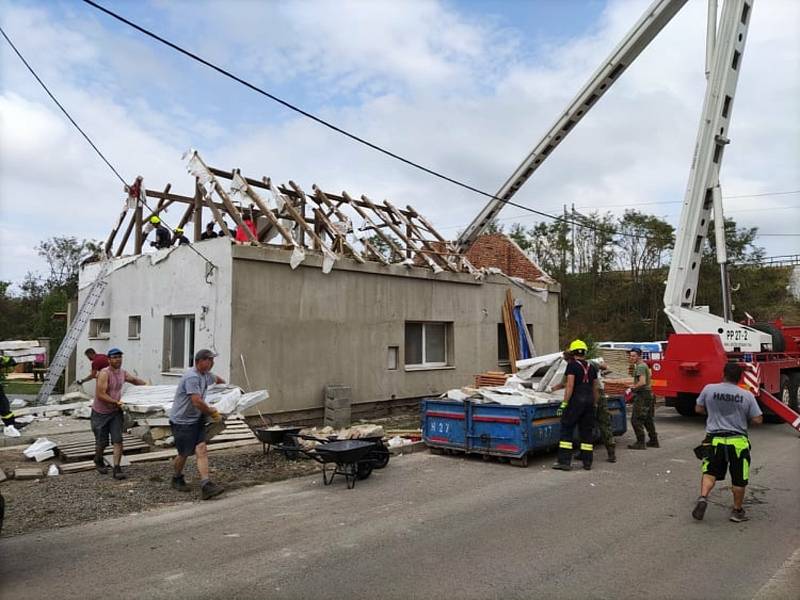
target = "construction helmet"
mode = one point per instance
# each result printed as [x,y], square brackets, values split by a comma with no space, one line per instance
[155,220]
[578,345]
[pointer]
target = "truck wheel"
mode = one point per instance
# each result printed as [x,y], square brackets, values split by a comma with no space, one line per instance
[685,407]
[794,392]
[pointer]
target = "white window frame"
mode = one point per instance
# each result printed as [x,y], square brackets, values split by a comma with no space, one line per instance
[102,334]
[137,320]
[188,353]
[424,364]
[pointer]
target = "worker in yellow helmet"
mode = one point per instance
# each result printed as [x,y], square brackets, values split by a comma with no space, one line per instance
[163,236]
[179,237]
[581,394]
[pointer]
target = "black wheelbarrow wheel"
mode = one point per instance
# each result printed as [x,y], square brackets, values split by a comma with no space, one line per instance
[364,470]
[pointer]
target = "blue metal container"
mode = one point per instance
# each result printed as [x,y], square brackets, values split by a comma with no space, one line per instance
[498,430]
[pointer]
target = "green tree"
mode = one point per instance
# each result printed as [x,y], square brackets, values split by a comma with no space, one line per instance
[64,256]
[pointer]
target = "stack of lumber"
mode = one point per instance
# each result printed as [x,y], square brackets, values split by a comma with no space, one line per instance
[490,379]
[80,446]
[512,334]
[616,361]
[617,387]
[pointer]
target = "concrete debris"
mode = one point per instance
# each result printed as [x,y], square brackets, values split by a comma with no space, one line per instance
[28,473]
[18,403]
[44,455]
[10,431]
[398,441]
[53,471]
[3,475]
[364,430]
[38,447]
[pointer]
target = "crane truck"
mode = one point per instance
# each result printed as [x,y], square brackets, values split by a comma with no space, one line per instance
[703,342]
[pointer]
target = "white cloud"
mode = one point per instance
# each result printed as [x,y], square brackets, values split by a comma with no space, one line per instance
[461,96]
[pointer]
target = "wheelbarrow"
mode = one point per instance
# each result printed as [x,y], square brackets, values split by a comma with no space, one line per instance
[274,436]
[354,459]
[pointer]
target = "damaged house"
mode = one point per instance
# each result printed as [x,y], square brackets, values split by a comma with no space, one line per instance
[320,289]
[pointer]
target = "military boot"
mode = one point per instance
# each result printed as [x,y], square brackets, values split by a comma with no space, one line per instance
[612,454]
[653,443]
[639,445]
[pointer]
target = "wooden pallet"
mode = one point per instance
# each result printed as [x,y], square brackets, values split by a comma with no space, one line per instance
[81,446]
[235,430]
[490,379]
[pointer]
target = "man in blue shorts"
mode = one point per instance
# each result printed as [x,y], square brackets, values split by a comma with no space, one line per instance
[188,419]
[729,408]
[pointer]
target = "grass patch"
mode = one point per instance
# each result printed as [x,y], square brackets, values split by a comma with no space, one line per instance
[20,387]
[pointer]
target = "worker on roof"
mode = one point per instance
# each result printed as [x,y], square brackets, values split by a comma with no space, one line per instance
[209,233]
[163,235]
[107,415]
[642,416]
[6,414]
[581,394]
[179,237]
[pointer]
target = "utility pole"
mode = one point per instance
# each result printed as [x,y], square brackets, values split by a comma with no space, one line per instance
[573,237]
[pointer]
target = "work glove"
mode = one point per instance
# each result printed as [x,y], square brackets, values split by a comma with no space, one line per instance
[215,417]
[561,408]
[549,389]
[628,395]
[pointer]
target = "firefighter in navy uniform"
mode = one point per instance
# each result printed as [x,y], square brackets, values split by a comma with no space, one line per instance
[581,394]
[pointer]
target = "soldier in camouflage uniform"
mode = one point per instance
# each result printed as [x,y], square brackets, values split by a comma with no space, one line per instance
[602,417]
[643,403]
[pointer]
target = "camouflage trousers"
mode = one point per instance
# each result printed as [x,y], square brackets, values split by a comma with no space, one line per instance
[603,420]
[644,407]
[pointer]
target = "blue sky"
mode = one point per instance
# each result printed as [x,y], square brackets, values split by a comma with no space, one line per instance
[466,88]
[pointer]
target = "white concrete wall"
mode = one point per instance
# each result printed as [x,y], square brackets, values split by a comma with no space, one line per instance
[166,282]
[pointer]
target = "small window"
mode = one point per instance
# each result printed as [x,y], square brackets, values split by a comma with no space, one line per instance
[392,357]
[427,344]
[502,342]
[99,329]
[178,342]
[134,327]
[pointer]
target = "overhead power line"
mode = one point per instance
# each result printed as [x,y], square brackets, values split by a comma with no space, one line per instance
[85,135]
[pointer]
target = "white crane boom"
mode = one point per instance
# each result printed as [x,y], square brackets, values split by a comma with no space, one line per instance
[649,25]
[703,199]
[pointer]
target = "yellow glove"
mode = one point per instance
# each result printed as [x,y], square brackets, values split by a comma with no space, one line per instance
[215,416]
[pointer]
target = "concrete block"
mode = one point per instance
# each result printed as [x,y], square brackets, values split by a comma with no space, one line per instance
[336,392]
[44,455]
[337,403]
[28,473]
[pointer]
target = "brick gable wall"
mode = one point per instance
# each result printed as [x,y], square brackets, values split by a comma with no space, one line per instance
[499,251]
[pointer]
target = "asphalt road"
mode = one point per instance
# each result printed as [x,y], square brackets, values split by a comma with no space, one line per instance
[442,526]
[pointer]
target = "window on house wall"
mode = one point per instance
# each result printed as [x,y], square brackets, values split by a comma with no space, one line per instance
[426,344]
[502,342]
[178,342]
[134,327]
[99,329]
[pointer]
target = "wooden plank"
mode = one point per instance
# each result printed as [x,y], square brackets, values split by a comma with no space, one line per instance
[138,233]
[161,206]
[298,218]
[262,206]
[217,214]
[364,215]
[197,225]
[412,230]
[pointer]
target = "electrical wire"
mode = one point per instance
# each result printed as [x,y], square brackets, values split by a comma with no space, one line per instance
[87,138]
[336,128]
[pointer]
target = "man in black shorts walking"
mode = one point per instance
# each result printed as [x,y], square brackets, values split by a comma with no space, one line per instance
[188,419]
[729,408]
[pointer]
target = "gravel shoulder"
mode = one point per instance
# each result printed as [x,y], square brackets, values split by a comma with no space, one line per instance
[75,498]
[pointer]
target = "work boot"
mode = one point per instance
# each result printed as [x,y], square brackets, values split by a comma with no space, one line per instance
[179,483]
[211,489]
[587,466]
[562,467]
[612,454]
[100,466]
[639,445]
[700,508]
[118,474]
[653,443]
[738,515]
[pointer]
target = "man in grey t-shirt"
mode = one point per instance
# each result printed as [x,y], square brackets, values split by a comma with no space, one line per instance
[729,408]
[187,419]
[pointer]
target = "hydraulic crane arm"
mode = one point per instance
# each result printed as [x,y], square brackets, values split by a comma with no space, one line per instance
[649,25]
[703,199]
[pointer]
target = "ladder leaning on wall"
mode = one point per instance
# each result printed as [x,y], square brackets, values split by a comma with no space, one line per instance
[74,331]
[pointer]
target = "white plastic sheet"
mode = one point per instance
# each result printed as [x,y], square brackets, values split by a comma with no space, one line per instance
[38,447]
[298,256]
[156,400]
